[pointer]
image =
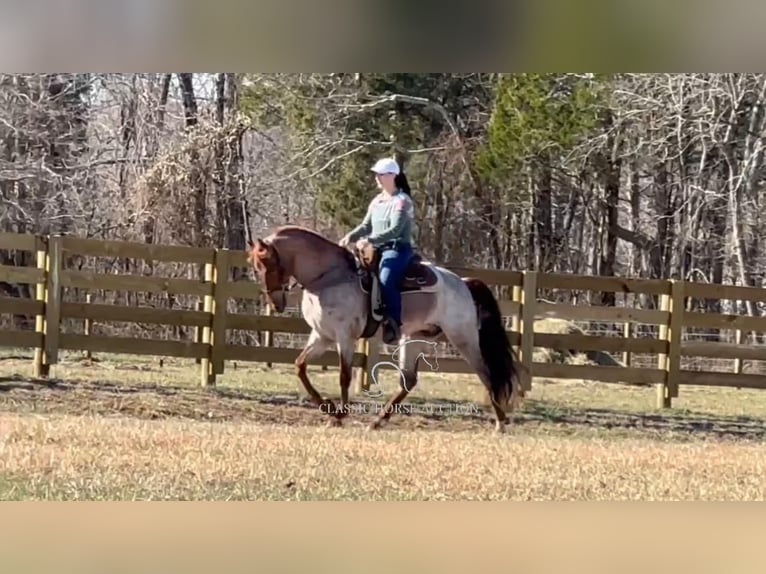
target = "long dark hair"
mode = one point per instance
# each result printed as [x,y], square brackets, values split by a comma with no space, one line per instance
[401,183]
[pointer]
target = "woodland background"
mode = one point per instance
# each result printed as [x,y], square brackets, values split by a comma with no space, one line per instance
[653,176]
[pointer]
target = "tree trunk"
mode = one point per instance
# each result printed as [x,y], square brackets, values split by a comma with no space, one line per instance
[543,202]
[196,179]
[612,167]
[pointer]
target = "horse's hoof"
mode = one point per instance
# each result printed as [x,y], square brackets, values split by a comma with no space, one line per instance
[374,425]
[334,422]
[500,427]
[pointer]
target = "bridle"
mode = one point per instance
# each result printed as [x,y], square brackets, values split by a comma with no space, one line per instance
[284,285]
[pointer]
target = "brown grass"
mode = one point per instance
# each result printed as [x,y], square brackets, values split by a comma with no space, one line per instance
[129,429]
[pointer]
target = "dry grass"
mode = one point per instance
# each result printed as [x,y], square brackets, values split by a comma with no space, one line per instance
[124,429]
[67,457]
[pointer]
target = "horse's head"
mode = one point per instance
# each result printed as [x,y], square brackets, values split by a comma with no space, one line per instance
[271,274]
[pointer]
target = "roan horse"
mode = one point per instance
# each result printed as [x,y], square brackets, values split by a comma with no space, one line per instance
[340,304]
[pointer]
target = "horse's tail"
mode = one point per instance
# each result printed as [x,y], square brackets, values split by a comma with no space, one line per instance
[495,347]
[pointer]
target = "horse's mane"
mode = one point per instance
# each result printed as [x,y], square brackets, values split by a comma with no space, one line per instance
[291,229]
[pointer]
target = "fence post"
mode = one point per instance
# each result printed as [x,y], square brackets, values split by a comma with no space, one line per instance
[627,329]
[663,401]
[528,310]
[40,367]
[516,319]
[220,311]
[371,350]
[627,333]
[88,328]
[670,362]
[739,364]
[200,306]
[268,336]
[53,268]
[675,332]
[205,370]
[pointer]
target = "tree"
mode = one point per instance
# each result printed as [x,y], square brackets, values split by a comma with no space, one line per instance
[536,121]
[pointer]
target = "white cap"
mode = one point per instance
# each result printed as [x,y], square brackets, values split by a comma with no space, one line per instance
[386,165]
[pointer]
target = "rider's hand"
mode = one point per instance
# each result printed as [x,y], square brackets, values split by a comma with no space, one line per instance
[361,244]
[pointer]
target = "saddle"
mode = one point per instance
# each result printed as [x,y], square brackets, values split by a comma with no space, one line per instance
[418,277]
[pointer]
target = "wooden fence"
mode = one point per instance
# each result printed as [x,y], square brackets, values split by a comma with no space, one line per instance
[55,282]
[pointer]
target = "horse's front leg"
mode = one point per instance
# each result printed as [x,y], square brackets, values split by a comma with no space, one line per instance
[315,346]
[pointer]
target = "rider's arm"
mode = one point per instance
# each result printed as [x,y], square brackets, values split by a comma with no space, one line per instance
[398,221]
[363,228]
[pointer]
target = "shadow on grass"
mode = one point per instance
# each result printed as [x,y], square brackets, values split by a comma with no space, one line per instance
[546,413]
[223,403]
[689,423]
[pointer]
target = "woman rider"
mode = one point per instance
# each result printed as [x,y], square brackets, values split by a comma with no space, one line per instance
[389,224]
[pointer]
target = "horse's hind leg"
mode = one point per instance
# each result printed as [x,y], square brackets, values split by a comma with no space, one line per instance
[316,345]
[409,359]
[345,358]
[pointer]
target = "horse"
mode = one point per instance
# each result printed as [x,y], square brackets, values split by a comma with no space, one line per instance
[341,304]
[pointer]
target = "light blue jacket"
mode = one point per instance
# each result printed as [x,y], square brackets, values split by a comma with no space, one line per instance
[388,218]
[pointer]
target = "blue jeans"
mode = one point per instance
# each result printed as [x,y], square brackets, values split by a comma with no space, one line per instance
[393,263]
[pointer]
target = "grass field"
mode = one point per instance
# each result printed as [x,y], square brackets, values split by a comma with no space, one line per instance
[124,428]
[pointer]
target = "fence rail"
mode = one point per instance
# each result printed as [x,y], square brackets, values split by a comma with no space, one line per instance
[55,278]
